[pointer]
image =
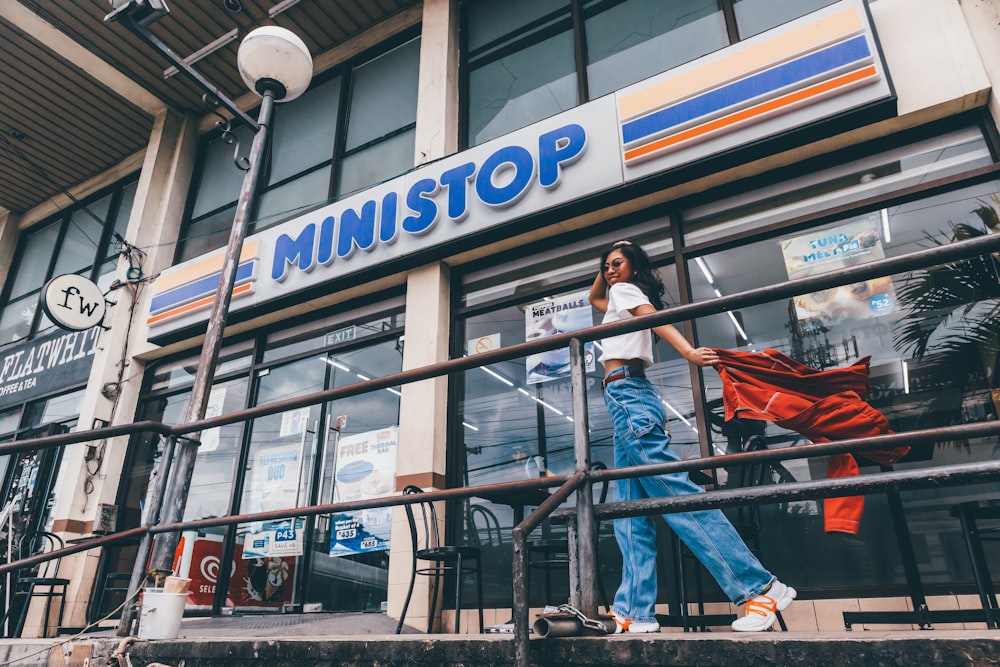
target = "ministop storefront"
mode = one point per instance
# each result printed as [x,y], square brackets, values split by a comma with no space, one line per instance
[804,148]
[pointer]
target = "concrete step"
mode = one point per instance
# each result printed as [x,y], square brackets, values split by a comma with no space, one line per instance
[856,649]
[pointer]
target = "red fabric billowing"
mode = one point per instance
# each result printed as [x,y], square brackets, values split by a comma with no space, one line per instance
[822,406]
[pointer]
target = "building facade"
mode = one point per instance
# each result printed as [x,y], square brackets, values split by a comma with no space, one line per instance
[446,186]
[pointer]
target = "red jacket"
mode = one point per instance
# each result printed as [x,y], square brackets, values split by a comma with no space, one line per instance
[822,406]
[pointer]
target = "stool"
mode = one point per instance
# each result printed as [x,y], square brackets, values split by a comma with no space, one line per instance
[968,513]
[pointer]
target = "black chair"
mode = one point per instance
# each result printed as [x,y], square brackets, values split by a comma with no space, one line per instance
[425,537]
[483,526]
[40,581]
[550,554]
[969,513]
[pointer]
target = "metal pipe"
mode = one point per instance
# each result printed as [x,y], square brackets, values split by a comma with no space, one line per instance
[557,627]
[583,558]
[175,495]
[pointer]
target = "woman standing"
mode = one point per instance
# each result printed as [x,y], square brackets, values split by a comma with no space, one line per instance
[627,286]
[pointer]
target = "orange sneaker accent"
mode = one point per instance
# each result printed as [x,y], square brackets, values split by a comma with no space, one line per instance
[762,607]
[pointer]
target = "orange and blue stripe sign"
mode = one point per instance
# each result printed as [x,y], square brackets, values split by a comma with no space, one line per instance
[824,57]
[195,286]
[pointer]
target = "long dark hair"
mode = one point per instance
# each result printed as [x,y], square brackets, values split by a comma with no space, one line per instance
[645,276]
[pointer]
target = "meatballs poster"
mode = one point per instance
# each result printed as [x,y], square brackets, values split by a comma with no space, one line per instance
[560,314]
[365,468]
[839,247]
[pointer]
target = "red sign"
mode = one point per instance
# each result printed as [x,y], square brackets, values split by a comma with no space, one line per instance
[255,582]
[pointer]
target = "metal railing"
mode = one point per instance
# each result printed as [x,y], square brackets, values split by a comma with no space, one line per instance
[582,537]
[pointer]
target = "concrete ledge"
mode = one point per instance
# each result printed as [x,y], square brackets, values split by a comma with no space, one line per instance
[951,648]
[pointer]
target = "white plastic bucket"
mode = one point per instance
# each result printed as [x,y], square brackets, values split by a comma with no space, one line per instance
[161,613]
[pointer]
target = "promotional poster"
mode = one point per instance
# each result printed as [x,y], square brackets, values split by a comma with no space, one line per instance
[823,251]
[560,314]
[365,469]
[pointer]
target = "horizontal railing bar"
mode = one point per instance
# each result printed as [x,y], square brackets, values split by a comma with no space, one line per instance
[91,435]
[355,505]
[922,478]
[93,543]
[852,446]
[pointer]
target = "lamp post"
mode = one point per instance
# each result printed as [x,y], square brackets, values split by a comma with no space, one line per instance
[276,64]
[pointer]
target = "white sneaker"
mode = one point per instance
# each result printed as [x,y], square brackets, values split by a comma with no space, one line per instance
[634,627]
[762,611]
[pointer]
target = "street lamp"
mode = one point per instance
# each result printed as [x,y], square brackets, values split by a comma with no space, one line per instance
[276,64]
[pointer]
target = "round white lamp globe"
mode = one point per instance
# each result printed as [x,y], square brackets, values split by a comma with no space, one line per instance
[275,58]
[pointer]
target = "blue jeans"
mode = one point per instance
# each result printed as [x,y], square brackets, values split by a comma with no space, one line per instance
[639,418]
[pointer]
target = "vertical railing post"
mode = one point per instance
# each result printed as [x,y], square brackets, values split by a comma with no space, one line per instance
[583,569]
[522,649]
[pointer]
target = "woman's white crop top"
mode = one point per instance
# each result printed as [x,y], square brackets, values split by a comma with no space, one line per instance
[636,345]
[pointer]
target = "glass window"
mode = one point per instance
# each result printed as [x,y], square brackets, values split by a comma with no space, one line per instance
[9,420]
[489,21]
[209,233]
[221,179]
[121,219]
[756,16]
[83,237]
[300,140]
[928,334]
[384,98]
[286,201]
[33,268]
[16,319]
[945,155]
[526,86]
[78,240]
[180,373]
[376,163]
[378,136]
[636,39]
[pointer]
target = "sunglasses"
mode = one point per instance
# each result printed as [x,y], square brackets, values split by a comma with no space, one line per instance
[615,264]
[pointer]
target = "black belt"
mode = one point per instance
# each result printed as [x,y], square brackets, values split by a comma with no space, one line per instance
[622,373]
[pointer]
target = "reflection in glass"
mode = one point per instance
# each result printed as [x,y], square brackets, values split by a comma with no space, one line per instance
[35,258]
[756,16]
[384,95]
[376,163]
[304,135]
[526,86]
[221,179]
[291,199]
[83,234]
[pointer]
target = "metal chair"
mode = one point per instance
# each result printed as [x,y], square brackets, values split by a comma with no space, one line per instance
[969,513]
[425,536]
[42,581]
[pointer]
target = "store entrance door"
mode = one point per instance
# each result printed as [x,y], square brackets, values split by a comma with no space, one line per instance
[29,494]
[31,482]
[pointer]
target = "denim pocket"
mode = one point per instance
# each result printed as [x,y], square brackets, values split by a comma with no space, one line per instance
[635,408]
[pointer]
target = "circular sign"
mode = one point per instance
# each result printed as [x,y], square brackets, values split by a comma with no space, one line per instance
[73,302]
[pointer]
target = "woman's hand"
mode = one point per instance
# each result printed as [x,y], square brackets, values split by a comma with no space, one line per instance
[702,356]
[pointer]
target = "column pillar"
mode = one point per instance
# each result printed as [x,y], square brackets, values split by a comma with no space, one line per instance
[424,405]
[91,472]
